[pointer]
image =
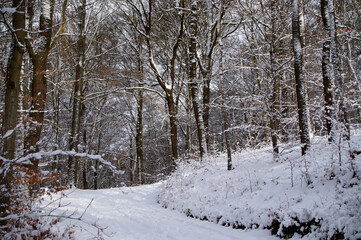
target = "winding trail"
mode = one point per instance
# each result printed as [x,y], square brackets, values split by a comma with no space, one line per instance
[133,213]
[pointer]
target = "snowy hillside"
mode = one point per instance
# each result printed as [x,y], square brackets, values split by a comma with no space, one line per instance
[133,214]
[312,198]
[262,193]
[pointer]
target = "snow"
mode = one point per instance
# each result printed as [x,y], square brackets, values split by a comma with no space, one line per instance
[255,194]
[260,190]
[39,155]
[8,10]
[133,213]
[46,9]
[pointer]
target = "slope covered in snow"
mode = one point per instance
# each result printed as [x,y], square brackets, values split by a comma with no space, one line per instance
[134,214]
[318,196]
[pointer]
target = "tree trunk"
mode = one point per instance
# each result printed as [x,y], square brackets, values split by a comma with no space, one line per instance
[173,128]
[39,81]
[12,88]
[300,88]
[73,164]
[133,167]
[206,71]
[275,103]
[192,80]
[275,115]
[188,134]
[139,136]
[326,72]
[341,110]
[226,132]
[206,101]
[171,104]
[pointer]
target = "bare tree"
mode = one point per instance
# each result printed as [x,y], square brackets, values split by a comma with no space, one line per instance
[299,76]
[167,80]
[326,71]
[331,48]
[73,163]
[226,130]
[39,50]
[10,119]
[192,78]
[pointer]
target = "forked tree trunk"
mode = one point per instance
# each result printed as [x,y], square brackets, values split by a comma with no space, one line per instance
[168,90]
[39,58]
[206,71]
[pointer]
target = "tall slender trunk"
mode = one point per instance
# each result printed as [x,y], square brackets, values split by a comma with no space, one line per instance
[39,60]
[275,103]
[275,116]
[226,132]
[169,90]
[139,137]
[173,128]
[84,164]
[96,165]
[206,71]
[188,136]
[300,88]
[326,72]
[132,162]
[193,81]
[12,88]
[73,164]
[139,126]
[207,76]
[56,117]
[341,109]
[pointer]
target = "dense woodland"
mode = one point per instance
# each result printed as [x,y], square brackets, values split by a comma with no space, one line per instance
[109,93]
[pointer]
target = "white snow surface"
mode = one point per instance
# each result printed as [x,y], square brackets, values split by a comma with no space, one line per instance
[8,10]
[133,213]
[257,191]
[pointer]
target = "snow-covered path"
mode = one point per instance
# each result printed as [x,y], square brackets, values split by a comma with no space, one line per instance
[133,213]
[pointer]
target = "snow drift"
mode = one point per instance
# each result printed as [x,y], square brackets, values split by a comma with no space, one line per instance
[317,196]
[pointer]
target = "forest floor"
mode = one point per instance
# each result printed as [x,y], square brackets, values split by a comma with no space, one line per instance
[312,197]
[129,213]
[317,196]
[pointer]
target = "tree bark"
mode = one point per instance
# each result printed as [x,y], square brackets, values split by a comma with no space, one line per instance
[39,60]
[169,90]
[341,110]
[206,71]
[192,79]
[73,164]
[226,130]
[139,125]
[96,165]
[275,103]
[173,128]
[12,88]
[300,88]
[326,72]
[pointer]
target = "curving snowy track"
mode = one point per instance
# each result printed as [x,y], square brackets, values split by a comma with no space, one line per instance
[133,213]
